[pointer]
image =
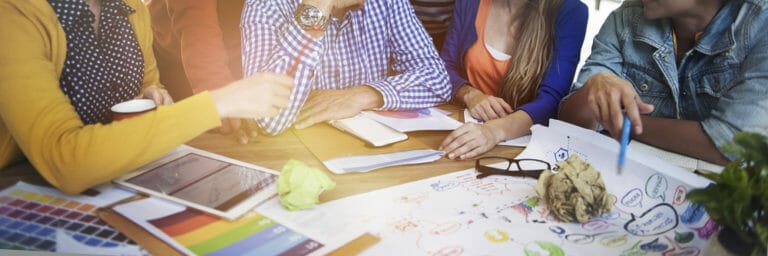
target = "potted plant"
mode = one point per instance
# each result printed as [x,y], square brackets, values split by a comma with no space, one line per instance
[738,199]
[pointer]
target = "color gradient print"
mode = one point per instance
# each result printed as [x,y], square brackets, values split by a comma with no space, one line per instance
[254,234]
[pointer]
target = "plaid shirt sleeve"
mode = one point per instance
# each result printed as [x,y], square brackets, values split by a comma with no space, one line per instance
[273,42]
[420,79]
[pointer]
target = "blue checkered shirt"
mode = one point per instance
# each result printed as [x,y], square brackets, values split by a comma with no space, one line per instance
[382,45]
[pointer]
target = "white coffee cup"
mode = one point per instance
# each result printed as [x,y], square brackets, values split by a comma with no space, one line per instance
[131,108]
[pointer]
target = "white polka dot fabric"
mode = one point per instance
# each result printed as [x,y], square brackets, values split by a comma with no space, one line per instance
[99,71]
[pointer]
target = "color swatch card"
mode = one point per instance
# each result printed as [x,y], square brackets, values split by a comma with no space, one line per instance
[196,233]
[44,219]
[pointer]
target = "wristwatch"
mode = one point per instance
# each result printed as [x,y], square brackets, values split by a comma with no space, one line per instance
[311,18]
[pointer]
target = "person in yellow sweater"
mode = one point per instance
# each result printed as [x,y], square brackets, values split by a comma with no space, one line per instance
[63,63]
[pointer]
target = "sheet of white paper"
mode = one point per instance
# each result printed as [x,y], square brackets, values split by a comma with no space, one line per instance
[458,214]
[516,142]
[365,163]
[427,119]
[685,162]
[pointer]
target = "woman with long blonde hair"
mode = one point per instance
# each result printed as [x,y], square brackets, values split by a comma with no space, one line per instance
[510,63]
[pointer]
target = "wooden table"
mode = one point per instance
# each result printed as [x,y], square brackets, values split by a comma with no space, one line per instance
[274,151]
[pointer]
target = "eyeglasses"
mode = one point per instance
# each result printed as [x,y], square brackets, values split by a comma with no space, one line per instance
[525,167]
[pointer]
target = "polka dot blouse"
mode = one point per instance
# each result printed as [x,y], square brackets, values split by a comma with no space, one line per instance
[99,71]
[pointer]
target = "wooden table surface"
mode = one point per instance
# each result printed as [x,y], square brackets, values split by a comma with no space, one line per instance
[274,151]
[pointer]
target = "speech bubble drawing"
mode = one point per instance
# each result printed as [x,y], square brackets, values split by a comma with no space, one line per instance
[655,221]
[656,186]
[596,225]
[678,250]
[680,194]
[633,198]
[685,237]
[557,230]
[654,246]
[693,214]
[613,241]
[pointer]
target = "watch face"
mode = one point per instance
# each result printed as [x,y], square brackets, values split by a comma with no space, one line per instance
[311,16]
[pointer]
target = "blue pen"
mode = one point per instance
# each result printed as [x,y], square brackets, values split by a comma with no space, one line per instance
[624,142]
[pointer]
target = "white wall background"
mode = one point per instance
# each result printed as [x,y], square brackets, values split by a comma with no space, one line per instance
[596,19]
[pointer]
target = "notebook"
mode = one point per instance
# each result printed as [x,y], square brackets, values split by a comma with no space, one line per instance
[205,181]
[43,219]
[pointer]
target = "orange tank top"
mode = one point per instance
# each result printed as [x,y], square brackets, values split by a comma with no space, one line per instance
[484,72]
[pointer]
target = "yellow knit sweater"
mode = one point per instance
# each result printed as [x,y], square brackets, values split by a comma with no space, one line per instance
[38,119]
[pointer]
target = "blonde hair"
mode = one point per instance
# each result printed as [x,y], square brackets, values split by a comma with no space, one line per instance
[531,53]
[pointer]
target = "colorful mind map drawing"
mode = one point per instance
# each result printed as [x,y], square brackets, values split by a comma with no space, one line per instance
[457,214]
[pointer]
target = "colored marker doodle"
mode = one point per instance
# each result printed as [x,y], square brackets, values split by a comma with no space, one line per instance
[557,230]
[685,251]
[680,193]
[583,238]
[449,251]
[543,248]
[441,186]
[676,250]
[414,198]
[446,228]
[657,220]
[633,198]
[684,238]
[692,214]
[634,250]
[656,186]
[707,230]
[561,155]
[654,246]
[526,207]
[614,241]
[405,225]
[610,216]
[596,225]
[496,236]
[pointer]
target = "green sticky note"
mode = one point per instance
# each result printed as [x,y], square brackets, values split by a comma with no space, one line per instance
[300,185]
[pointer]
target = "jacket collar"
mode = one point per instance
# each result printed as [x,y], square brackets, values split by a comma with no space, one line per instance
[717,37]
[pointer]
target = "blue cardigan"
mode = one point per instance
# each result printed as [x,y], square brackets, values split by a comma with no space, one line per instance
[570,27]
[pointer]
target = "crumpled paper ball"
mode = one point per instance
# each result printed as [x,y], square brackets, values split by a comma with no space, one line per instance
[576,192]
[299,185]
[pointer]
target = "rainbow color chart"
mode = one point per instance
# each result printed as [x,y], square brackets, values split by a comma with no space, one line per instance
[198,233]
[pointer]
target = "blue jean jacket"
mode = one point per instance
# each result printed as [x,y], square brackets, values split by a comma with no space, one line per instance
[722,82]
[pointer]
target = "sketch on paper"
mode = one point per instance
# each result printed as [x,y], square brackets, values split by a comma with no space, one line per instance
[457,214]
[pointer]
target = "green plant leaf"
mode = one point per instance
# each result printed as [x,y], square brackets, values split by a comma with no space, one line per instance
[738,198]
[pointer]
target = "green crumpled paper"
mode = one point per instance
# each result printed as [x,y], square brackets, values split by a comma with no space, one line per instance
[300,185]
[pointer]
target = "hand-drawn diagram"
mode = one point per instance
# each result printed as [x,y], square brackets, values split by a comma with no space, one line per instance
[457,214]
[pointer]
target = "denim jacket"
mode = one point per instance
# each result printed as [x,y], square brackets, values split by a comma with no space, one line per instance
[722,82]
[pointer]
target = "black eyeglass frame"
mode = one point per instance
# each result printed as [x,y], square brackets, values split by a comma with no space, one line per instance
[486,171]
